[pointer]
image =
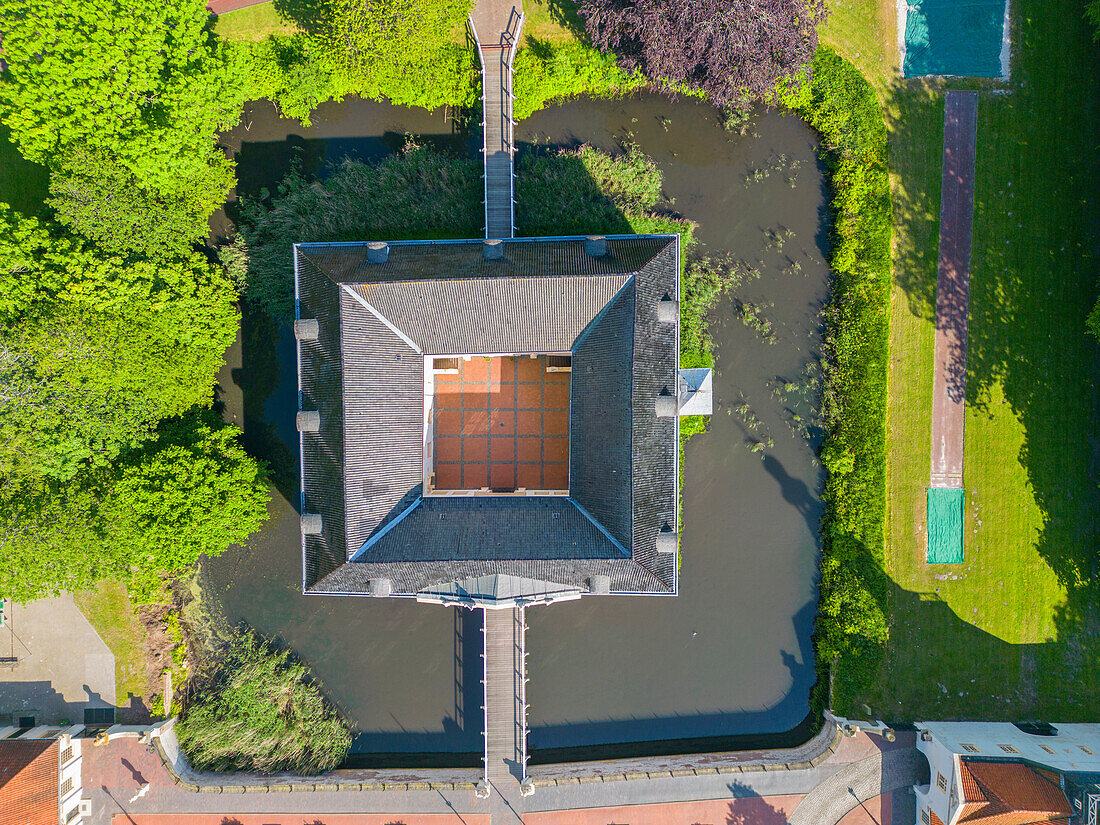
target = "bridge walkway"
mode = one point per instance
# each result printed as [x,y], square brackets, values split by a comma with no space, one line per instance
[496,26]
[505,713]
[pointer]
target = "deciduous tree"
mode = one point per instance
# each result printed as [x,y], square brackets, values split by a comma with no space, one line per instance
[95,349]
[192,490]
[736,51]
[146,85]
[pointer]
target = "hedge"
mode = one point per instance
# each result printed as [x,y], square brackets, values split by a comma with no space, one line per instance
[852,630]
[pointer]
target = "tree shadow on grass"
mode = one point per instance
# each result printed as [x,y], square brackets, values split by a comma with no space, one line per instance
[1029,359]
[565,14]
[311,16]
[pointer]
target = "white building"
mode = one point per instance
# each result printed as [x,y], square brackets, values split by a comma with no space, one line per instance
[997,772]
[40,776]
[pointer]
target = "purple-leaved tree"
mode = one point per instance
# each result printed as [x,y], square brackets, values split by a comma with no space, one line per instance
[734,50]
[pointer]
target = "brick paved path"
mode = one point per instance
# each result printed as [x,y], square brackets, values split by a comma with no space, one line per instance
[953,288]
[833,798]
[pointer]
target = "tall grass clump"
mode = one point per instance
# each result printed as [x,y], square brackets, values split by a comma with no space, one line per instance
[418,193]
[584,191]
[851,629]
[260,711]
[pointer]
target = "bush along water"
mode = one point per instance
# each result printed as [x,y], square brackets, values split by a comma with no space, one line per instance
[851,631]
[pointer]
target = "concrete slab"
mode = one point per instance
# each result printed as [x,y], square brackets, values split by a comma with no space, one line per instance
[61,666]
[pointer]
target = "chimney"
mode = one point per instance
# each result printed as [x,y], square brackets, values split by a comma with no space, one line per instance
[666,405]
[668,310]
[668,541]
[378,252]
[493,250]
[595,245]
[311,524]
[308,421]
[380,587]
[307,329]
[599,585]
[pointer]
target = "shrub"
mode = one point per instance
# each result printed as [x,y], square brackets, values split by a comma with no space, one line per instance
[260,711]
[299,72]
[851,628]
[585,191]
[733,50]
[544,72]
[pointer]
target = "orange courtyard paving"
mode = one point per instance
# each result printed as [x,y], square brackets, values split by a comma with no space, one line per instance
[502,423]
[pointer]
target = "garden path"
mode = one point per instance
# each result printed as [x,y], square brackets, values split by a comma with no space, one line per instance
[953,288]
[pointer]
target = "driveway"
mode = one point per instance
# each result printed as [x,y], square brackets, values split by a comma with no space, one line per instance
[53,664]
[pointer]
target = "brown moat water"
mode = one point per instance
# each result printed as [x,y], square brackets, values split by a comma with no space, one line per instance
[731,654]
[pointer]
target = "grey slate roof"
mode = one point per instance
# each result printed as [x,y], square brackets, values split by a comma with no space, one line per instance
[363,470]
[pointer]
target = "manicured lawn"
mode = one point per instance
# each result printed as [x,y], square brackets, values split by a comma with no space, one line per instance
[553,20]
[1014,632]
[252,23]
[110,612]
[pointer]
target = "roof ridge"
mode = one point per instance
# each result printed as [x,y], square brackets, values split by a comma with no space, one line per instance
[374,311]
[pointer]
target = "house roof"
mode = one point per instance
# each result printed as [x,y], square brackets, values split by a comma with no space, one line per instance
[363,471]
[29,782]
[1009,793]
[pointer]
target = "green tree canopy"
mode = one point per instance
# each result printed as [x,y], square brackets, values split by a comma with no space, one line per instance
[141,87]
[95,350]
[192,490]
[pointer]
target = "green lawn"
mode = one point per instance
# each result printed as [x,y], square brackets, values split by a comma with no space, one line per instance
[110,612]
[1014,632]
[252,23]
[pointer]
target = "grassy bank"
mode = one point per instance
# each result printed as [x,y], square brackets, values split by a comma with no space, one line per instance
[110,612]
[1011,633]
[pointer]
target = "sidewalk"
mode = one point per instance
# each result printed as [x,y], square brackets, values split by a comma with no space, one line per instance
[114,773]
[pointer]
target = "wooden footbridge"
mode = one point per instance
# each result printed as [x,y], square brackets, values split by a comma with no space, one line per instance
[505,712]
[496,26]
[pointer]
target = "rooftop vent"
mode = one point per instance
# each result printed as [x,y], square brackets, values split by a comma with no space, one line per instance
[595,245]
[668,541]
[308,421]
[493,249]
[307,329]
[378,252]
[311,524]
[668,310]
[599,585]
[666,405]
[380,587]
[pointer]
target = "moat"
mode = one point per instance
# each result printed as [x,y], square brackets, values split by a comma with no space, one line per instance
[731,655]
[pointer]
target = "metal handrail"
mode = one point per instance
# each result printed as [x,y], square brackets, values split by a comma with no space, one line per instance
[512,182]
[484,147]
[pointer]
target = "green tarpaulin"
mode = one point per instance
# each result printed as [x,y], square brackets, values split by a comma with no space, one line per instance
[955,37]
[945,526]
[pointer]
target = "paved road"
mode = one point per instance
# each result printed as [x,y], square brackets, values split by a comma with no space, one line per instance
[114,773]
[953,288]
[223,6]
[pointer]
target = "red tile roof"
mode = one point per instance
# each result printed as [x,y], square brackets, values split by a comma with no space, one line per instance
[29,782]
[1009,793]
